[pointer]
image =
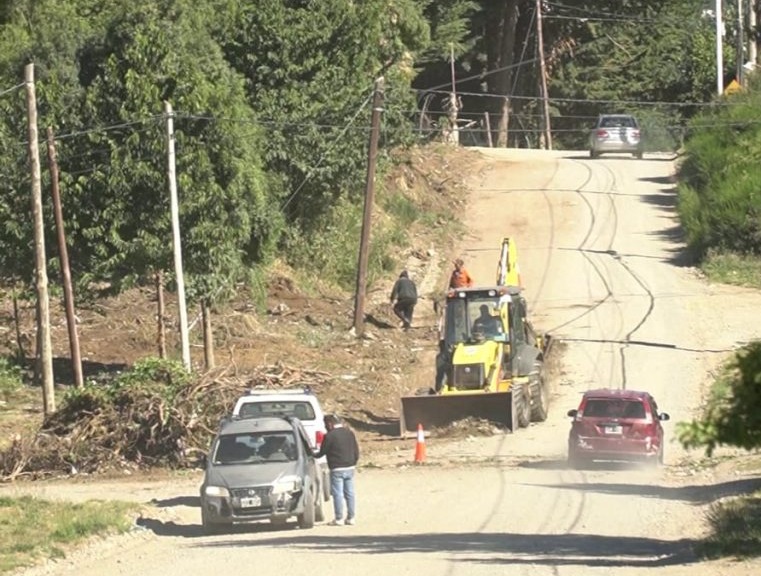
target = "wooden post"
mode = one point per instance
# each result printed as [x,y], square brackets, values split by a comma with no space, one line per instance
[752,47]
[454,129]
[719,49]
[208,334]
[17,321]
[176,239]
[740,44]
[364,244]
[45,349]
[487,125]
[503,122]
[161,320]
[63,254]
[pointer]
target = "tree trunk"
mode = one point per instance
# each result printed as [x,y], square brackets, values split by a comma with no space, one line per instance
[501,21]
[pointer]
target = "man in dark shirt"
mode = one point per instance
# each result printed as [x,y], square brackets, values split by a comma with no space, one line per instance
[405,294]
[342,452]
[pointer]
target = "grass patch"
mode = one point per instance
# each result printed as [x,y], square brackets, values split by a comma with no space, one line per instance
[735,528]
[403,210]
[731,268]
[33,529]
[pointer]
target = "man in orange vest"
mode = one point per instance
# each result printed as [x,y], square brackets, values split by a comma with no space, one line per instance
[460,277]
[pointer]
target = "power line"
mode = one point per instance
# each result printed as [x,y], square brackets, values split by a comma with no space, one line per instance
[322,158]
[16,87]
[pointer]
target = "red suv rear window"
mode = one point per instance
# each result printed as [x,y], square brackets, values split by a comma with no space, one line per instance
[613,408]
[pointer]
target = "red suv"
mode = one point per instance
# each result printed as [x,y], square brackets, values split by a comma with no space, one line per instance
[612,424]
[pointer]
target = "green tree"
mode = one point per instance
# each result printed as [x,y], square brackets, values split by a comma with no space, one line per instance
[31,33]
[309,69]
[733,411]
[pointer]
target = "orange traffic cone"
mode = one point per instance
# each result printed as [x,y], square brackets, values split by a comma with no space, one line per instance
[420,445]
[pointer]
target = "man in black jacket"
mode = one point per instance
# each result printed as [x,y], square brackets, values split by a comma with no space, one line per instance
[405,294]
[342,452]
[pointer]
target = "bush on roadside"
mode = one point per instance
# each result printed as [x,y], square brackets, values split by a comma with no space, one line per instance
[735,528]
[719,198]
[155,414]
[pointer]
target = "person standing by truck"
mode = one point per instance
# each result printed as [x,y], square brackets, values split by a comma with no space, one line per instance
[404,293]
[342,452]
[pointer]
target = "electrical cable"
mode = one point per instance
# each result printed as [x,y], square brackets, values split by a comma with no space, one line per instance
[322,158]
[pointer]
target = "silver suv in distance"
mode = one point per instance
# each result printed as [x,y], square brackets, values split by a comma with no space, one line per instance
[619,133]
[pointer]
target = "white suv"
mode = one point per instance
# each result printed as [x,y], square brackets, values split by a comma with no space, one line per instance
[300,403]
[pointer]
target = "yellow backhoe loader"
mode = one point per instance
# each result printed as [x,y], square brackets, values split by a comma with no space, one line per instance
[491,361]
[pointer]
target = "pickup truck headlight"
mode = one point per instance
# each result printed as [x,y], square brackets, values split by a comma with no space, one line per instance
[287,484]
[219,491]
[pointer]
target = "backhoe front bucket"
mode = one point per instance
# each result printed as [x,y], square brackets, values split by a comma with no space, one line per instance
[439,410]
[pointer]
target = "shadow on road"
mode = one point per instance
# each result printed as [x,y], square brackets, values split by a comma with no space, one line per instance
[190,501]
[495,548]
[557,464]
[695,494]
[172,529]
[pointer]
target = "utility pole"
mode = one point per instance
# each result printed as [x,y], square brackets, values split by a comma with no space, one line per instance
[740,44]
[364,245]
[752,47]
[63,254]
[176,240]
[543,78]
[45,347]
[719,50]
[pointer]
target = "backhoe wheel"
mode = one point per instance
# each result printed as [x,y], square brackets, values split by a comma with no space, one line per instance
[522,405]
[540,396]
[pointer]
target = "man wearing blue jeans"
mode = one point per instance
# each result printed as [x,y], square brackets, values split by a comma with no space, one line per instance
[342,452]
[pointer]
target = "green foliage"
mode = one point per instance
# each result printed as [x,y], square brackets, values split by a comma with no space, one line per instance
[156,375]
[310,68]
[155,372]
[719,197]
[733,410]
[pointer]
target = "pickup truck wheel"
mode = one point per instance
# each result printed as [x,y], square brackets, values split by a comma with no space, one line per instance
[306,518]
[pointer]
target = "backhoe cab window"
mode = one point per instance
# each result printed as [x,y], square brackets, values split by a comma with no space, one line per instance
[464,318]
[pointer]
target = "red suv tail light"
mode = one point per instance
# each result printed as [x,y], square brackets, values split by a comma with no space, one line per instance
[318,437]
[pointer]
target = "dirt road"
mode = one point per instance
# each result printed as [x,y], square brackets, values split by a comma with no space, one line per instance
[601,262]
